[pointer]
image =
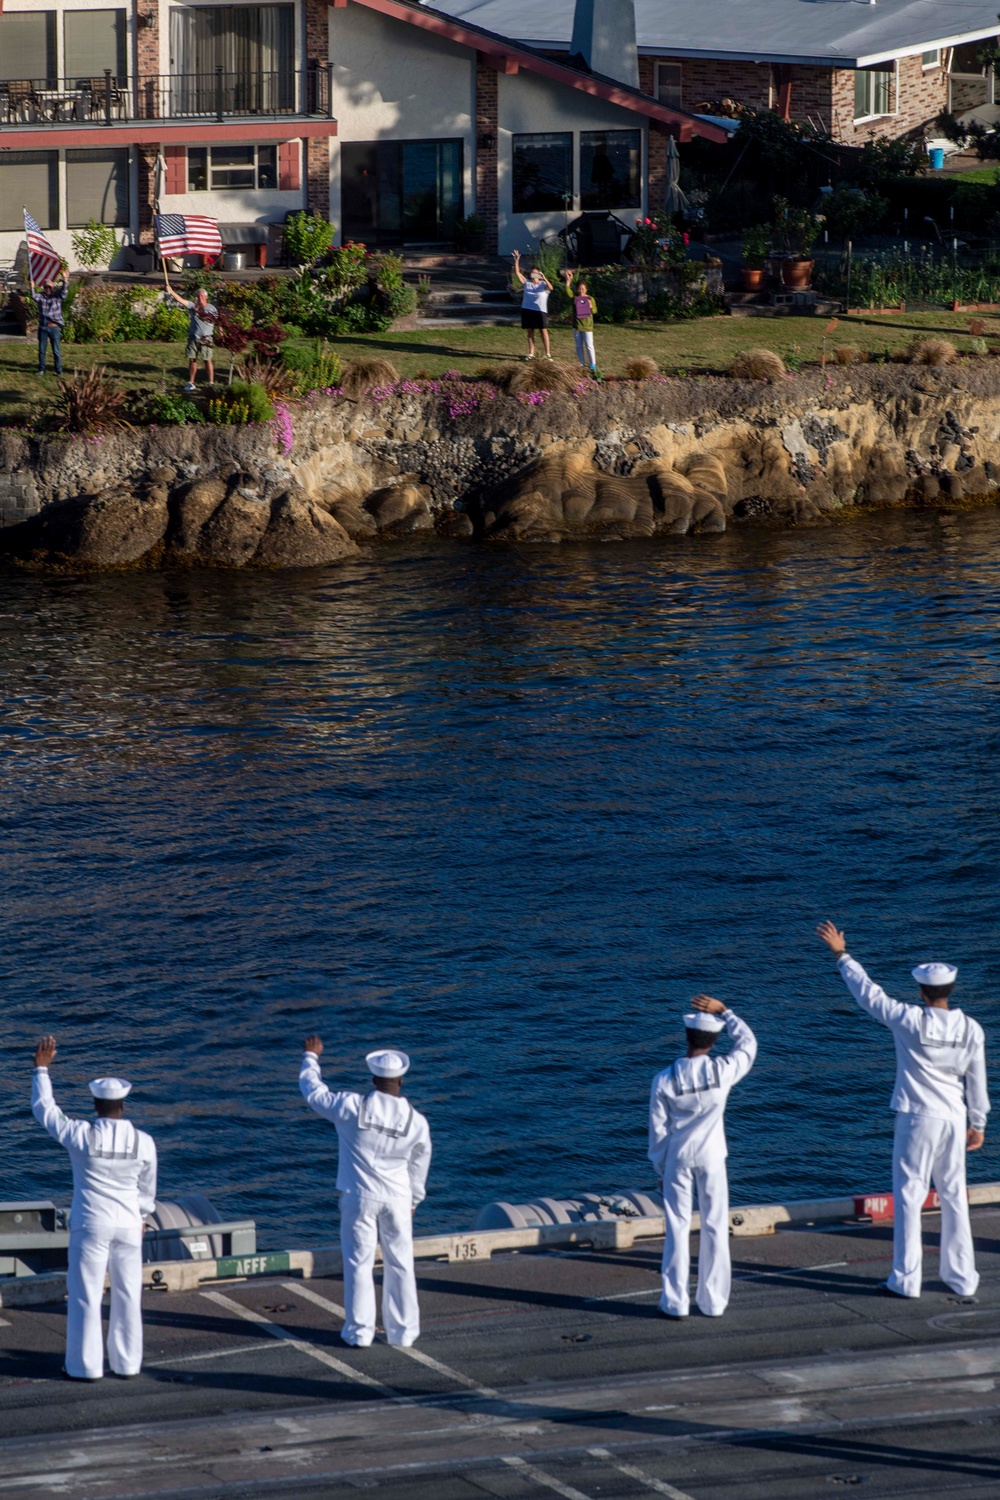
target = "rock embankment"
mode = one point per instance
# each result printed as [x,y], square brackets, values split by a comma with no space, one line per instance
[465,460]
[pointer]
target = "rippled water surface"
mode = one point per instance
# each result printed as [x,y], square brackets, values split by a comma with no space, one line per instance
[506,810]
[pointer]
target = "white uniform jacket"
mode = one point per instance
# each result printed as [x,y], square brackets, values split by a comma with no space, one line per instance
[114,1165]
[940,1054]
[385,1144]
[688,1103]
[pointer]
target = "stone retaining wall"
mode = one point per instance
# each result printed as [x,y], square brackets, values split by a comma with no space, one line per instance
[622,460]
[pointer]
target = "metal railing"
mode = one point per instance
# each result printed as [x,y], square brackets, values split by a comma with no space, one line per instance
[216,96]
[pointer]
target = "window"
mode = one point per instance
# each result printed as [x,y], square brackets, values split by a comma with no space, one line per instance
[94,40]
[96,187]
[401,192]
[222,167]
[967,60]
[872,92]
[28,45]
[610,168]
[252,44]
[668,84]
[543,172]
[30,178]
[931,59]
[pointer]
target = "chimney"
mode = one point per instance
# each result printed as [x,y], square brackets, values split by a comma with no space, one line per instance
[604,36]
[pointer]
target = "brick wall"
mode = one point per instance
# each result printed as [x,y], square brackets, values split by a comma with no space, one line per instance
[920,95]
[487,131]
[318,147]
[657,169]
[147,67]
[823,95]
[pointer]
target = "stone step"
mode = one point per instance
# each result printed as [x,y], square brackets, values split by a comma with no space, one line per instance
[471,296]
[472,319]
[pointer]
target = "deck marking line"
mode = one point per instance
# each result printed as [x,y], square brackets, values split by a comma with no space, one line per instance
[654,1291]
[189,1359]
[303,1345]
[659,1485]
[415,1354]
[540,1477]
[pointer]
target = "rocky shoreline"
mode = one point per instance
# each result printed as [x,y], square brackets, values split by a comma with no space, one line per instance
[463,460]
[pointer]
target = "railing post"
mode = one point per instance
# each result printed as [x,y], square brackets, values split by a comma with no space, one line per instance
[218,93]
[107,96]
[329,89]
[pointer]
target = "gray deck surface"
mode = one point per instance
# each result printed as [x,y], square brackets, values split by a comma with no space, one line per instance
[537,1374]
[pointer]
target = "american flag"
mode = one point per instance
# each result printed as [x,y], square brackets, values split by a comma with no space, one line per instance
[188,234]
[43,262]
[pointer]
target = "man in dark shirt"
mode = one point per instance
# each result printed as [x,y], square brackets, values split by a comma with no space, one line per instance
[50,320]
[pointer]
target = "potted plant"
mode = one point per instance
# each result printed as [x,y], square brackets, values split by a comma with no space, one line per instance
[756,244]
[470,234]
[798,229]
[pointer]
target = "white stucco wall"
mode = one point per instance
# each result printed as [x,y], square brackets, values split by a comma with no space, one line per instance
[392,81]
[236,206]
[528,104]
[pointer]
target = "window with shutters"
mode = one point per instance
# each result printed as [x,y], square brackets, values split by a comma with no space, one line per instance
[96,187]
[94,40]
[218,168]
[28,45]
[31,179]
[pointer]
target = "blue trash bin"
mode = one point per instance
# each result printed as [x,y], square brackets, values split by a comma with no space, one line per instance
[936,154]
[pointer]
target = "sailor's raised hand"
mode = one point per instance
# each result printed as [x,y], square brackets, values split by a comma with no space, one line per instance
[707,1003]
[834,940]
[974,1139]
[45,1052]
[314,1044]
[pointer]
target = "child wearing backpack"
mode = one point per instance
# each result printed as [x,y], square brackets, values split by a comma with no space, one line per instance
[584,308]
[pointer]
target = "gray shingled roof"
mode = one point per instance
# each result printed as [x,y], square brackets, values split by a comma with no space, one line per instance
[852,33]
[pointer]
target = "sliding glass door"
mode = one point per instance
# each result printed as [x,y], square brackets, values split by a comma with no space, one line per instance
[401,192]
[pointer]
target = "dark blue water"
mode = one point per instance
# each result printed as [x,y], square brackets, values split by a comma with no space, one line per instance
[508,811]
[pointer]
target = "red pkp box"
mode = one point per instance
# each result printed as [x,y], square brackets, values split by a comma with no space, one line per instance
[879,1206]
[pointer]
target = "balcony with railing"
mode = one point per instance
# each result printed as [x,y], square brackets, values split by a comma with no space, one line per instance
[214,98]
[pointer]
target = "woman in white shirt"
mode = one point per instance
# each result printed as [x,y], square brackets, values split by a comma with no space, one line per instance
[534,305]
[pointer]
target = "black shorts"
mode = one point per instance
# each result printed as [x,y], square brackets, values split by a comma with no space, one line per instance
[532,318]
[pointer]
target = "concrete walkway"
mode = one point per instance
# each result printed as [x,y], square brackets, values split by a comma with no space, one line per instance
[538,1374]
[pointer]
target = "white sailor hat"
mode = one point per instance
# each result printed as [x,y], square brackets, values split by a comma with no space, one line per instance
[935,974]
[110,1088]
[387,1064]
[703,1020]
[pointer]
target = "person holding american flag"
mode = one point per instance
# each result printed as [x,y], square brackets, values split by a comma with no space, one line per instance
[201,332]
[191,234]
[47,273]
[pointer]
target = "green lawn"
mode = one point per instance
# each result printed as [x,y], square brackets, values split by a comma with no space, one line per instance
[702,344]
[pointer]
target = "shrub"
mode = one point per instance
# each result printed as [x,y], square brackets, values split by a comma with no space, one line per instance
[933,352]
[756,244]
[979,346]
[95,246]
[270,374]
[536,375]
[757,364]
[307,237]
[470,231]
[851,213]
[166,408]
[363,375]
[315,366]
[167,324]
[267,340]
[90,400]
[849,354]
[240,403]
[95,316]
[640,367]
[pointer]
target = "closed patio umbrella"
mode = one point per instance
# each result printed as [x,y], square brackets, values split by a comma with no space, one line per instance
[674,201]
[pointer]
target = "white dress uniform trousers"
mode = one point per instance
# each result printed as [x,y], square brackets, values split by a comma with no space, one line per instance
[114,1185]
[385,1153]
[940,1090]
[687,1146]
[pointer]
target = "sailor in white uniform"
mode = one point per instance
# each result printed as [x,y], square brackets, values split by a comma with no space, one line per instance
[941,1106]
[385,1152]
[114,1187]
[687,1146]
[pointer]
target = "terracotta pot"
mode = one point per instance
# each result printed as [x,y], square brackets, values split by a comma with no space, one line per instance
[797,274]
[753,278]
